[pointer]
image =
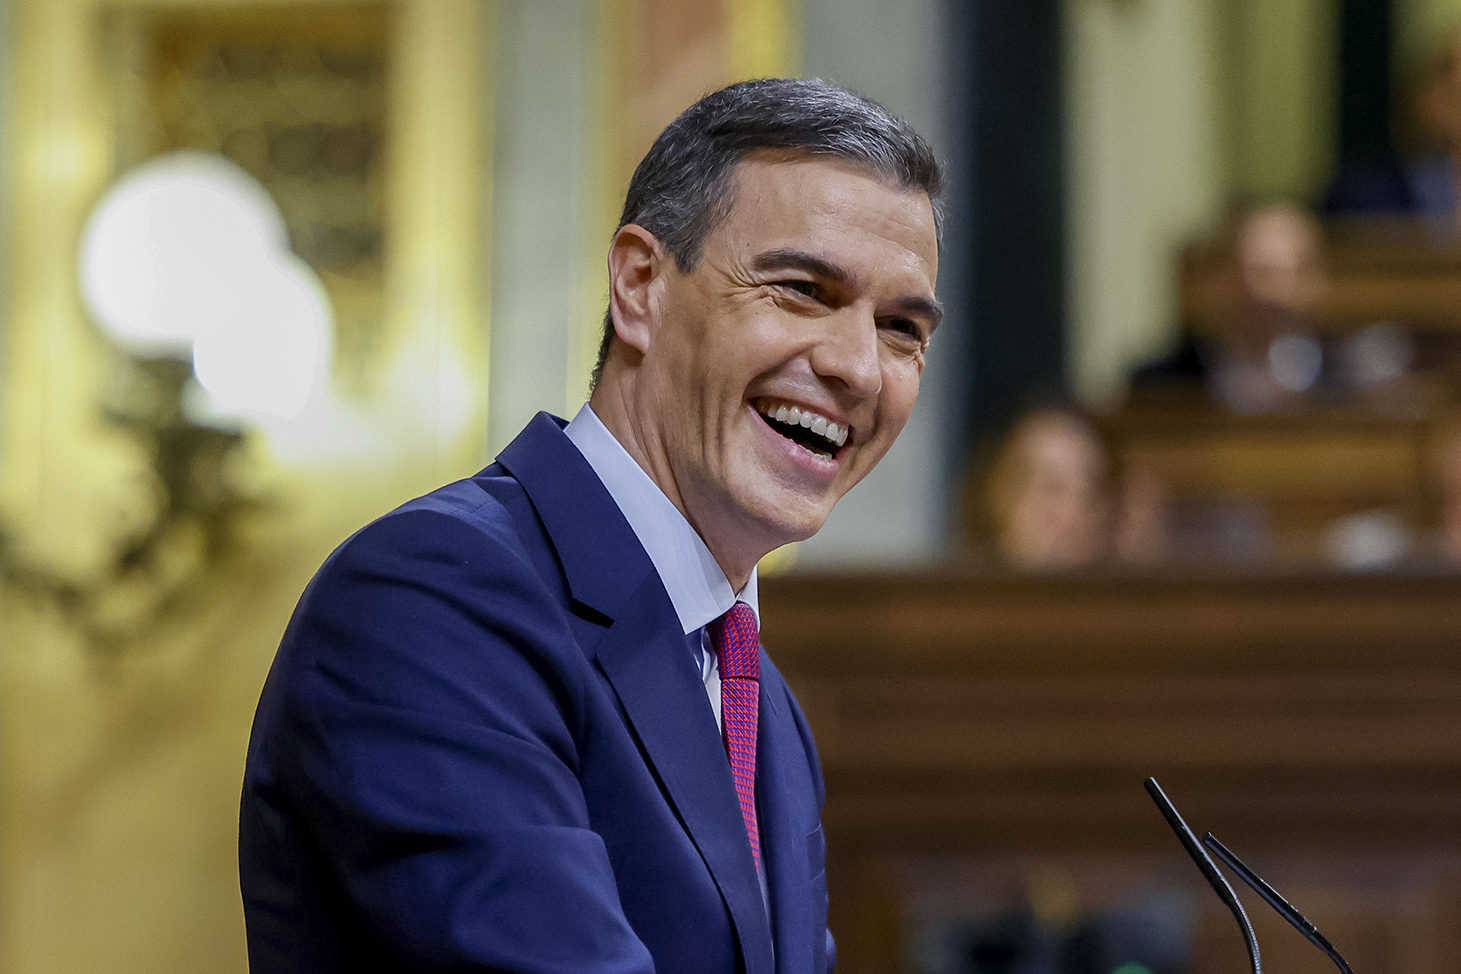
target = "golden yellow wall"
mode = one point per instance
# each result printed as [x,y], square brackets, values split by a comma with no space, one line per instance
[123,755]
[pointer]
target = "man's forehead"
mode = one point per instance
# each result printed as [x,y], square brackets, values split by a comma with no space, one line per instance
[783,193]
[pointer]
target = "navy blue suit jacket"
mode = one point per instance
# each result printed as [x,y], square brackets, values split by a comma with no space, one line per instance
[485,745]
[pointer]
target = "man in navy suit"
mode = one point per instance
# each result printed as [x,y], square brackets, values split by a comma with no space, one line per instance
[496,736]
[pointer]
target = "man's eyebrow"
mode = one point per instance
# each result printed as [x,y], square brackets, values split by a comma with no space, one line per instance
[800,260]
[789,259]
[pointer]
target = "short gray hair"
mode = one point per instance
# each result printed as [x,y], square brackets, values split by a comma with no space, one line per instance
[681,190]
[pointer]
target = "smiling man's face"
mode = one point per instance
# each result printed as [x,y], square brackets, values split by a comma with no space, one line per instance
[813,303]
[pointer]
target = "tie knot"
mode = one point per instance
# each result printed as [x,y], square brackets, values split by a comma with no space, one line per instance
[737,643]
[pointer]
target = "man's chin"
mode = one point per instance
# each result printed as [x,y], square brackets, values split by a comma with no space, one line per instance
[786,519]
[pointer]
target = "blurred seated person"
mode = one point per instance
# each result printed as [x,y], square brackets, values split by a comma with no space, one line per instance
[1051,500]
[1048,492]
[1265,355]
[1427,184]
[1055,497]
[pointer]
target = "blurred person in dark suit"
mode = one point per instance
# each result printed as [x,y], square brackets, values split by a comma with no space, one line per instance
[1425,181]
[1265,354]
[1433,177]
[524,723]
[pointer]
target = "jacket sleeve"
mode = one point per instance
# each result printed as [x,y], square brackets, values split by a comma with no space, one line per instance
[426,735]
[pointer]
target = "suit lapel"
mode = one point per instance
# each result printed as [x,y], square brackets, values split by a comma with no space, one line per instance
[649,664]
[602,559]
[779,758]
[652,671]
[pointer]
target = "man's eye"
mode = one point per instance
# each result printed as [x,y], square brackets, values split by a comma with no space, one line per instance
[905,328]
[806,289]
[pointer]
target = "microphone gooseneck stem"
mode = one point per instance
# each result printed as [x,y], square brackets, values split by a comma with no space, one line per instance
[1208,869]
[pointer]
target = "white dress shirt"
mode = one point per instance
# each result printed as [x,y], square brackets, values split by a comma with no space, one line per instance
[697,587]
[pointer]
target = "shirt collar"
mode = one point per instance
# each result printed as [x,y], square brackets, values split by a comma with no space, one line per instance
[697,586]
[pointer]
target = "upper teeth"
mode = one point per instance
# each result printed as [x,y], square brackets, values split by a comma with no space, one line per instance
[821,425]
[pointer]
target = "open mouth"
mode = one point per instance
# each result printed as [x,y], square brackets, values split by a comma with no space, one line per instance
[812,432]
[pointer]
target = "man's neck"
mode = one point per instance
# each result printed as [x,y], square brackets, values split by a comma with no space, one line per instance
[641,443]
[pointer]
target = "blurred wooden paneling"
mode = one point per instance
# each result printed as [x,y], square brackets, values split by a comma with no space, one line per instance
[1374,463]
[1390,277]
[961,716]
[1302,469]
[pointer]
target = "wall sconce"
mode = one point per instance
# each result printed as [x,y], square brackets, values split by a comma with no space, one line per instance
[185,266]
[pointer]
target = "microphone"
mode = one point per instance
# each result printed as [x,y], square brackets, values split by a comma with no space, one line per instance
[1270,896]
[1225,892]
[1208,869]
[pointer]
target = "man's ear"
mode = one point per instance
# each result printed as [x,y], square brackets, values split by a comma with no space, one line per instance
[636,264]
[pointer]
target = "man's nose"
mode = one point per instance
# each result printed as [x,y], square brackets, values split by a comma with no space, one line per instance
[848,351]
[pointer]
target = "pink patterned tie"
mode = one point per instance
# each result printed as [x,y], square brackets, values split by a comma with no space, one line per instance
[738,649]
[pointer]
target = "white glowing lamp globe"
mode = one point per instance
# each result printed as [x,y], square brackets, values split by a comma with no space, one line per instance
[168,241]
[269,347]
[188,255]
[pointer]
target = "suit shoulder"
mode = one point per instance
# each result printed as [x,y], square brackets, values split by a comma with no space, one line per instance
[466,566]
[484,520]
[491,503]
[438,606]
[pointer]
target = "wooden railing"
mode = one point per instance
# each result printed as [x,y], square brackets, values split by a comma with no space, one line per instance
[1370,280]
[1302,469]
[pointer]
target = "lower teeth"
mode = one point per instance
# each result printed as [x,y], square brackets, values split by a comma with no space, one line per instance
[817,450]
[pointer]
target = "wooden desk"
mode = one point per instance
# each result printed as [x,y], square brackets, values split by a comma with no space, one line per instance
[965,717]
[1304,468]
[1381,280]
